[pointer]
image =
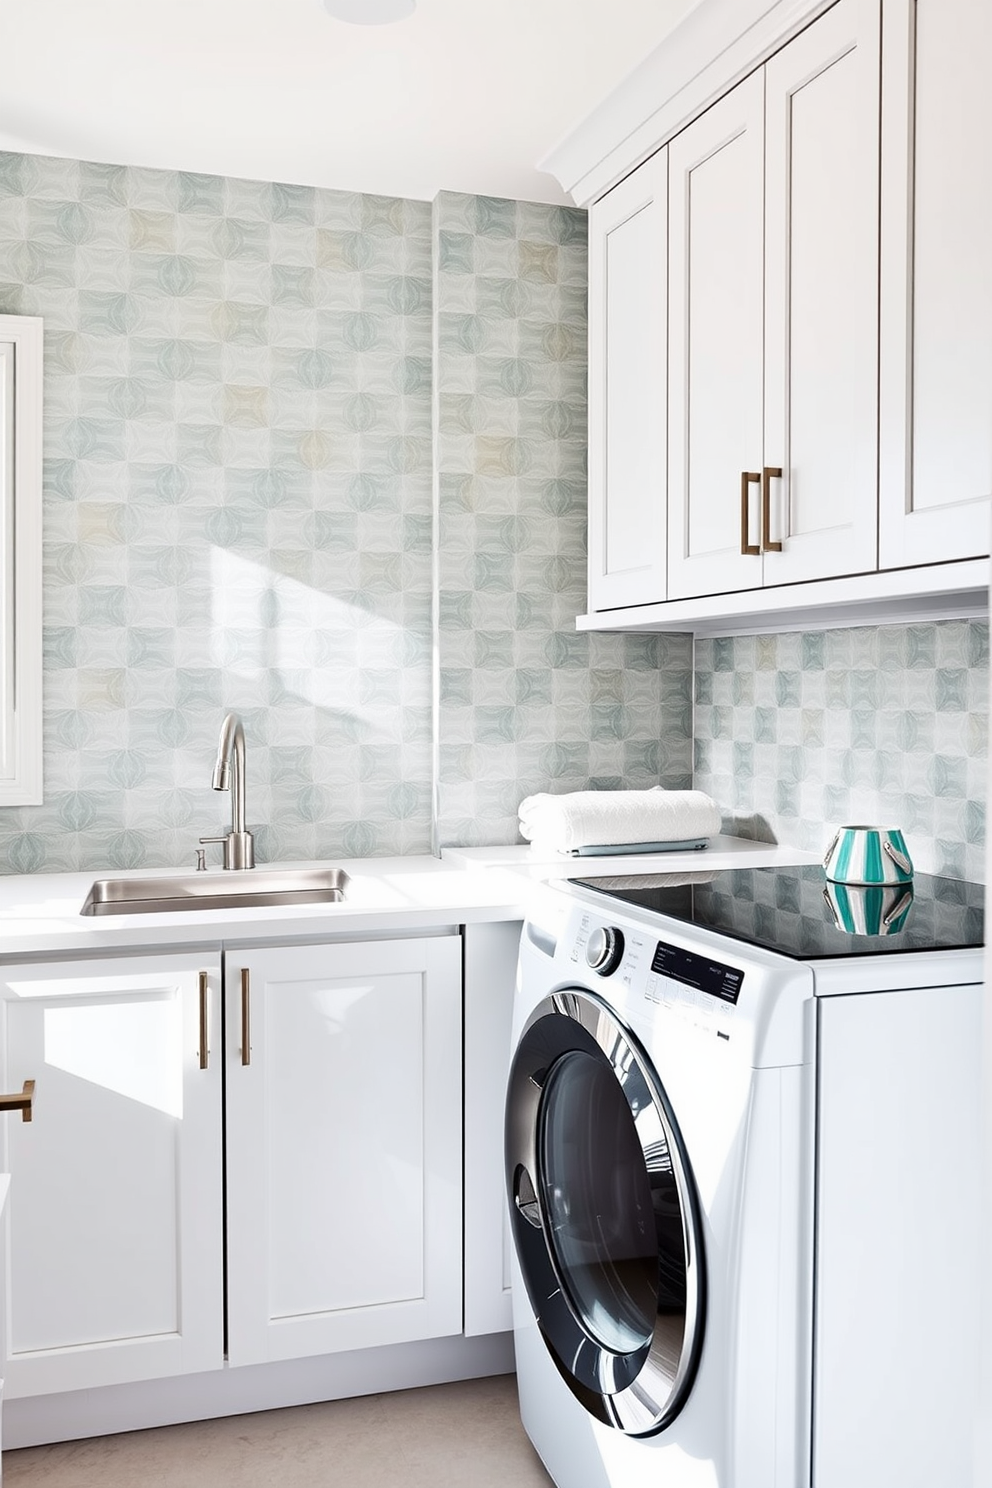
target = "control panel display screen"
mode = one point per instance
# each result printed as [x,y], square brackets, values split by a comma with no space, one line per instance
[698,971]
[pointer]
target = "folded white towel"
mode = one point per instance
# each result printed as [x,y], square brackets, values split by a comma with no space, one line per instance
[591,818]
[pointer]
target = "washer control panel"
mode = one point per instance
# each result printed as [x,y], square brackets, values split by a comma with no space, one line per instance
[703,972]
[690,985]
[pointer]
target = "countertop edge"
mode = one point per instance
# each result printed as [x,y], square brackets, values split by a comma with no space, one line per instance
[39,913]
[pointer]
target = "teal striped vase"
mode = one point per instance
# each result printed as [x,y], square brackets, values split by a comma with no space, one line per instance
[868,855]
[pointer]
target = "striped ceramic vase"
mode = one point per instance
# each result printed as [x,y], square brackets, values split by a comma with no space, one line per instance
[868,855]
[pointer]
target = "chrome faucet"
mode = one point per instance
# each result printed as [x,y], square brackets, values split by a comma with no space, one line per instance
[229,774]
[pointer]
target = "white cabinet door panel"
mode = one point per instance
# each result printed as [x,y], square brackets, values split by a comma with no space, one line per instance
[898,1154]
[114,1248]
[936,324]
[821,297]
[344,1147]
[715,342]
[361,1143]
[628,269]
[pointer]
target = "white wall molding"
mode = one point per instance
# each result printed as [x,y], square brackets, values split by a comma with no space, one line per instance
[20,560]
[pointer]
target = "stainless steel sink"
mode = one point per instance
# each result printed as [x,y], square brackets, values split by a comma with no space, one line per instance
[244,889]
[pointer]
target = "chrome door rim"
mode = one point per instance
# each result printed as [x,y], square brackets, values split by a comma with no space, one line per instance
[640,1393]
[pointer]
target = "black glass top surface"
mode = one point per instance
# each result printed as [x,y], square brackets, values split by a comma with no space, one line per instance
[793,910]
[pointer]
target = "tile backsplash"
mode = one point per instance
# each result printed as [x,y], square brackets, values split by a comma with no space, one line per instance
[797,733]
[237,509]
[240,428]
[525,702]
[320,457]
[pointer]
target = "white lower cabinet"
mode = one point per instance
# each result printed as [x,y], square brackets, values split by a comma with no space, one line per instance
[112,1258]
[344,1152]
[340,1136]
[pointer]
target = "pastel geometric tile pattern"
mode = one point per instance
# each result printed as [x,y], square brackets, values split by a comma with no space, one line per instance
[796,734]
[238,470]
[320,457]
[237,510]
[524,703]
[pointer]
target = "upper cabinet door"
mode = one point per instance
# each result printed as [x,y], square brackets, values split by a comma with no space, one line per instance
[821,298]
[628,267]
[715,346]
[936,311]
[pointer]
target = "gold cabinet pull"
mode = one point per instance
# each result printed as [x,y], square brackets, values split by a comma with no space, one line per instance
[21,1102]
[204,1049]
[245,1015]
[768,474]
[747,476]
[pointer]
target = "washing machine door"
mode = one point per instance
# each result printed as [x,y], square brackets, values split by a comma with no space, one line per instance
[604,1214]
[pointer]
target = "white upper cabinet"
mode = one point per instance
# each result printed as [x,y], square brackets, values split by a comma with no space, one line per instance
[773,314]
[936,312]
[826,346]
[716,278]
[627,396]
[821,298]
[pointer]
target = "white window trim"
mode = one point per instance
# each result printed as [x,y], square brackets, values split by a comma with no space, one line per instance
[20,560]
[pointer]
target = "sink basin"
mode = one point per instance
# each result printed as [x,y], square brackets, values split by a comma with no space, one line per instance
[245,889]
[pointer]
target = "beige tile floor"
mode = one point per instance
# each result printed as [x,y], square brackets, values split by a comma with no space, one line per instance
[464,1435]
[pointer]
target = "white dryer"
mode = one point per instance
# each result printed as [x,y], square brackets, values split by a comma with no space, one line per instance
[665,1119]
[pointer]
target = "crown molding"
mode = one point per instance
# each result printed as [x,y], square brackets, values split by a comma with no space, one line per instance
[717,44]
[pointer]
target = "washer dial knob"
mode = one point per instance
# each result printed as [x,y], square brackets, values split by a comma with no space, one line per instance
[604,950]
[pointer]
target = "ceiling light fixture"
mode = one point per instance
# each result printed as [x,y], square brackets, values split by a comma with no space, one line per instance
[370,12]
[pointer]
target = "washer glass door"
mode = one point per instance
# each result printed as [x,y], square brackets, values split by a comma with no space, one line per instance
[604,1214]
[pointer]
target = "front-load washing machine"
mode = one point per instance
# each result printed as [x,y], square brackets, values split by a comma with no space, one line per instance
[689,1312]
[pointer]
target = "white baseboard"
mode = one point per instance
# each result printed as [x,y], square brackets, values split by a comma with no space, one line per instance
[74,1414]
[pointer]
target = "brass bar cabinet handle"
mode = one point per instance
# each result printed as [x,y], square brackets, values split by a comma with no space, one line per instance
[21,1102]
[245,1015]
[747,477]
[768,474]
[204,1049]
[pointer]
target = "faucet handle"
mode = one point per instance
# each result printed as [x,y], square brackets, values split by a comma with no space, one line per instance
[201,857]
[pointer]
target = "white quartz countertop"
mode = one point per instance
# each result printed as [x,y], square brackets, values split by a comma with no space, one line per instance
[39,913]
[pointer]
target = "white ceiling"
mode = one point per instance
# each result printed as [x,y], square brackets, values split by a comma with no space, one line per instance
[466,95]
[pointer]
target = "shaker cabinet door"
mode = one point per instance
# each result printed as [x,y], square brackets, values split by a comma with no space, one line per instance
[628,267]
[936,310]
[821,299]
[113,1249]
[773,383]
[716,291]
[344,1153]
